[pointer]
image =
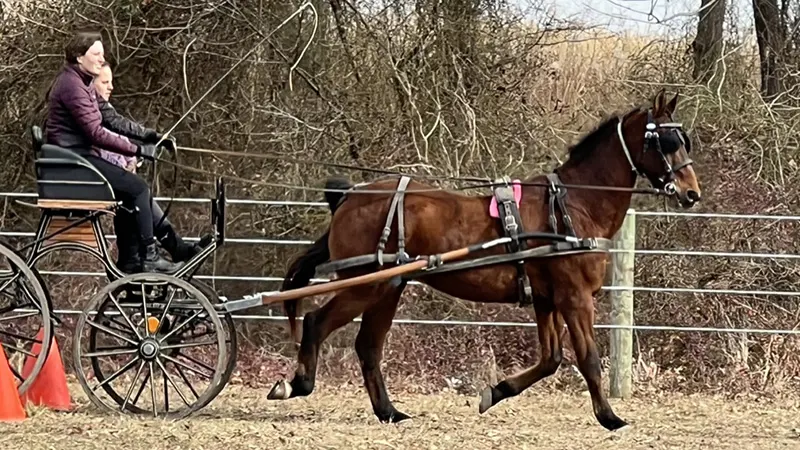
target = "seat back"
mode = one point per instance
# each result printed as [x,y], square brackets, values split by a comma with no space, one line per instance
[62,174]
[37,138]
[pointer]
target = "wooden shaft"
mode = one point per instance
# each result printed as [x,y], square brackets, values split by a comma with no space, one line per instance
[375,276]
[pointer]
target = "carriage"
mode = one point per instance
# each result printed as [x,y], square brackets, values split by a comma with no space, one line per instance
[176,328]
[73,198]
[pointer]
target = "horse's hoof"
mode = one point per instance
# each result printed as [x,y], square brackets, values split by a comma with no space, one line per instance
[281,391]
[486,400]
[612,423]
[394,417]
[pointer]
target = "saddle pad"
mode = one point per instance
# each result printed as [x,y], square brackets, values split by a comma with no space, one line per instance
[493,211]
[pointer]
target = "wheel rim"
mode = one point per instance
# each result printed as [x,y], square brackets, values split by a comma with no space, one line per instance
[142,346]
[26,328]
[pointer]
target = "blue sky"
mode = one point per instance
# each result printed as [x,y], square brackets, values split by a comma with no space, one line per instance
[631,15]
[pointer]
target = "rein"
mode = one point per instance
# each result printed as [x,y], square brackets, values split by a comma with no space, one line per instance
[482,182]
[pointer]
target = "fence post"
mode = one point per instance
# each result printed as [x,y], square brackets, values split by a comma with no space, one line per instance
[620,376]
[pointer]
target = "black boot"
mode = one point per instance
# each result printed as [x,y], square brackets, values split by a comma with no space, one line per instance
[177,248]
[128,259]
[153,262]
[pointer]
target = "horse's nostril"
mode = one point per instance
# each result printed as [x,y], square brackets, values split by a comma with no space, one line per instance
[693,195]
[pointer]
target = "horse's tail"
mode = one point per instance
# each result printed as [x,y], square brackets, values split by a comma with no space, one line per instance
[303,267]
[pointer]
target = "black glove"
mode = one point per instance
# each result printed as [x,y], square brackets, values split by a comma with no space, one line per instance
[146,151]
[169,144]
[151,136]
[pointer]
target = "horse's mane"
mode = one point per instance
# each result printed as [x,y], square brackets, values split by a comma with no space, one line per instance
[592,140]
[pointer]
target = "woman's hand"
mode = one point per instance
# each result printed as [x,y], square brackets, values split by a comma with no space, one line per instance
[131,166]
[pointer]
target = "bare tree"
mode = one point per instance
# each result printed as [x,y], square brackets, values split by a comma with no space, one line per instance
[771,36]
[707,45]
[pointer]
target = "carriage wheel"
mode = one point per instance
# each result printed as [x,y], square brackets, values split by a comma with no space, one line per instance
[26,325]
[150,344]
[231,352]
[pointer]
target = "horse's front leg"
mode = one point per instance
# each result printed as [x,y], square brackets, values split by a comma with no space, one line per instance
[550,327]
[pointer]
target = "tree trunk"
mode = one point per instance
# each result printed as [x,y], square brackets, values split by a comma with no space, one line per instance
[771,37]
[707,45]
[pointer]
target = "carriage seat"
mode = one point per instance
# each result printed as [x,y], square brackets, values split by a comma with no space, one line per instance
[66,180]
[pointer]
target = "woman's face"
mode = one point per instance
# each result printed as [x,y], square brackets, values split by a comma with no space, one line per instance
[103,82]
[92,61]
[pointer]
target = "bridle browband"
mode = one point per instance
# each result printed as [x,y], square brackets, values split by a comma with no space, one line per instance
[653,139]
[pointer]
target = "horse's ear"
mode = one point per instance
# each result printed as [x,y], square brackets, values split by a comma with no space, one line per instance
[672,105]
[659,102]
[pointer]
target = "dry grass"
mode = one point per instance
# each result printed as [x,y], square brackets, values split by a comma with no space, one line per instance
[340,417]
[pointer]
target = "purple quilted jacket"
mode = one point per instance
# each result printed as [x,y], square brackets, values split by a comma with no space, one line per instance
[74,120]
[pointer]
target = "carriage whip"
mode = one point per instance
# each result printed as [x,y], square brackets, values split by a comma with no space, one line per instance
[164,136]
[247,55]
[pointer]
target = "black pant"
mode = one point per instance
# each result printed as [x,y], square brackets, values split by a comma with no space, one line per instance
[127,235]
[132,191]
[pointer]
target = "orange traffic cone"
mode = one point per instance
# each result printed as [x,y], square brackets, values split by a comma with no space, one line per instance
[10,406]
[50,386]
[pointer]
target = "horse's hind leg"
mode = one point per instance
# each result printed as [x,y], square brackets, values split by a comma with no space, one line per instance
[578,311]
[345,306]
[376,322]
[550,327]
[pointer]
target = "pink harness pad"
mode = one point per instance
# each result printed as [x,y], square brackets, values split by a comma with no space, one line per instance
[493,211]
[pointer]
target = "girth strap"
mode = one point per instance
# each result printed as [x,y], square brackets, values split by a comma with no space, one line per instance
[397,205]
[557,193]
[512,226]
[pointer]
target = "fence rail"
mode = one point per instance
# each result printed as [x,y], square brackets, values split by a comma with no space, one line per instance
[499,324]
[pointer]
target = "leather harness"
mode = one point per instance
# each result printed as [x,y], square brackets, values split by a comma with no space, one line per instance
[510,218]
[512,225]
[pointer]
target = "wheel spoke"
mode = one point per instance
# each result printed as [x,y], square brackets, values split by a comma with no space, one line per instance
[166,308]
[110,331]
[169,378]
[199,363]
[20,350]
[119,327]
[116,374]
[166,389]
[187,367]
[19,336]
[188,345]
[186,380]
[183,324]
[102,354]
[11,280]
[30,314]
[124,316]
[146,328]
[153,382]
[130,389]
[141,389]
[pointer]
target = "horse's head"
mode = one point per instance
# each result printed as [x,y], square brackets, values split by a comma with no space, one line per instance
[663,157]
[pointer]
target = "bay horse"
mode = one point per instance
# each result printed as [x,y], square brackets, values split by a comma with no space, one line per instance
[436,221]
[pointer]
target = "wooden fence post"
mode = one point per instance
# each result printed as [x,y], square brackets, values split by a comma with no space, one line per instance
[620,376]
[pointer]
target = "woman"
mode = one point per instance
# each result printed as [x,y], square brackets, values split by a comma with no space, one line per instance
[74,122]
[127,243]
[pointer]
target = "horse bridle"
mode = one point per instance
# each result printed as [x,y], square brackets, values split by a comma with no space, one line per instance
[653,140]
